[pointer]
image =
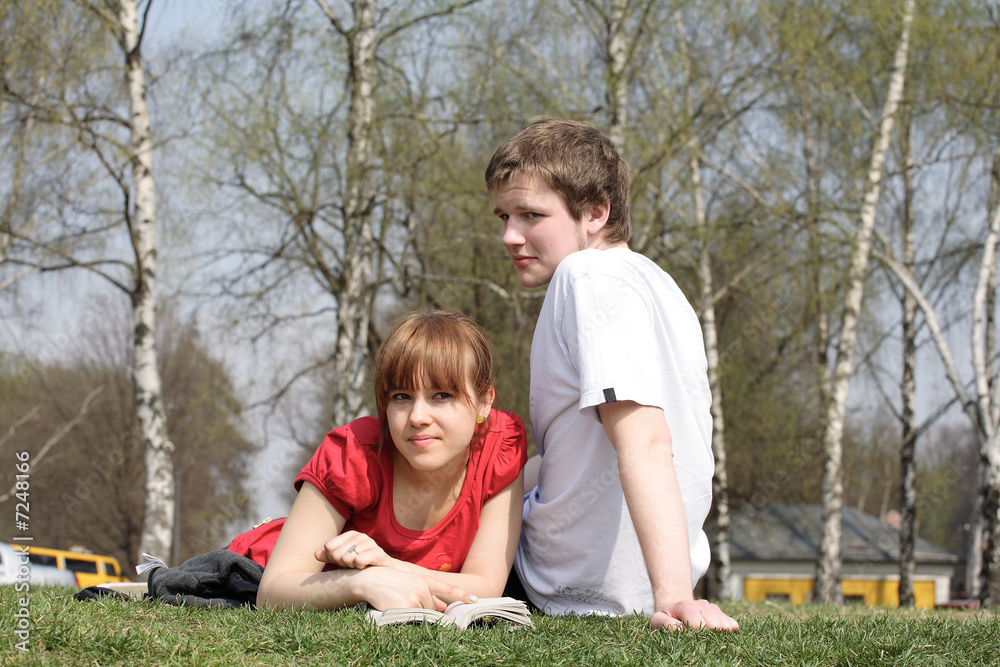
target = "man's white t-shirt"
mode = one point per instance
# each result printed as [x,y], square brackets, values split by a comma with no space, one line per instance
[613,326]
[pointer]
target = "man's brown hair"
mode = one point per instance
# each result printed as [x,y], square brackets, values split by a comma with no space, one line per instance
[577,161]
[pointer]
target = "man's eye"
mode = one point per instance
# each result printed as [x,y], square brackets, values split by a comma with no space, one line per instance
[503,217]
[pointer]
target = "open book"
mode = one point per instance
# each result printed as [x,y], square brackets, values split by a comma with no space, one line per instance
[461,614]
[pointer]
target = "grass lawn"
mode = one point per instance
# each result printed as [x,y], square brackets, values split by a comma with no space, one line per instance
[66,632]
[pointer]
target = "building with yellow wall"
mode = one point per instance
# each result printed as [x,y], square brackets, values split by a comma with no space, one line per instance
[773,557]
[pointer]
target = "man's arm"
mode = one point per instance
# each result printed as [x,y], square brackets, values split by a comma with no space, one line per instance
[641,438]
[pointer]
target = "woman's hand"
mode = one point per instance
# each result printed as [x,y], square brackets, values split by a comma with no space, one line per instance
[353,550]
[388,588]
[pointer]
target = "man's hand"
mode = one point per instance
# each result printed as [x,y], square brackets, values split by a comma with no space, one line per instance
[693,614]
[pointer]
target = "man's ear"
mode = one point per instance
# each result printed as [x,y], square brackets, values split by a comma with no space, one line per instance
[595,217]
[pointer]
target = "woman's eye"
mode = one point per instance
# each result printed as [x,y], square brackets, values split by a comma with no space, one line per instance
[442,395]
[399,396]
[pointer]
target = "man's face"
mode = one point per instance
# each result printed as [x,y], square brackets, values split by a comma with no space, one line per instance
[538,230]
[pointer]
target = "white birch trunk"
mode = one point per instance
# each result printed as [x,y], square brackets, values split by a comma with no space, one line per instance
[974,555]
[987,520]
[907,463]
[720,481]
[828,564]
[990,495]
[158,519]
[356,294]
[617,54]
[980,561]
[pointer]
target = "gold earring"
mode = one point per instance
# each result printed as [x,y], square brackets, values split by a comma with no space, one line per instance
[479,420]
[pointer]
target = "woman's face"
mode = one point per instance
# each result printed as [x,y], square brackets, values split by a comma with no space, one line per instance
[432,428]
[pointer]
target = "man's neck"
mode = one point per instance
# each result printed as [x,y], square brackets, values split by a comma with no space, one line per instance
[603,244]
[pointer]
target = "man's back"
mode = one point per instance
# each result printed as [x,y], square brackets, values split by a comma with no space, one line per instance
[614,327]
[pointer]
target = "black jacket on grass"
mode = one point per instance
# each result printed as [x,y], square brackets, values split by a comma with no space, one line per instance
[217,579]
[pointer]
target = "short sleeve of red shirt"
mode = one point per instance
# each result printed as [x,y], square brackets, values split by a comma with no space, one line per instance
[345,468]
[503,453]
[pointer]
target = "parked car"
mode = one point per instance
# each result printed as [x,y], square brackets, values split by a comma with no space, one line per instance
[11,562]
[90,569]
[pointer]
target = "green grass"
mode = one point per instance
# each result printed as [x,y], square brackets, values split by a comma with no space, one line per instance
[67,632]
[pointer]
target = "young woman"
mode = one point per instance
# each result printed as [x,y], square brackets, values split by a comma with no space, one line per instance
[419,507]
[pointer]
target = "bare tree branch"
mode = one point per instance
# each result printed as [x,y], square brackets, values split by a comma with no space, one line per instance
[56,437]
[332,17]
[451,9]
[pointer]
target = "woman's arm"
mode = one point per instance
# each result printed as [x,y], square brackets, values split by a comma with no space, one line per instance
[295,578]
[491,555]
[486,566]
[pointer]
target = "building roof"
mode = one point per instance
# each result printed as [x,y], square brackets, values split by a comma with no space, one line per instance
[792,532]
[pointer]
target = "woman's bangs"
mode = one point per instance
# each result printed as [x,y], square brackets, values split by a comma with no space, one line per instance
[436,363]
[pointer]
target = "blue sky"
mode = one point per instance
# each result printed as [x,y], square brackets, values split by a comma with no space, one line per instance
[174,18]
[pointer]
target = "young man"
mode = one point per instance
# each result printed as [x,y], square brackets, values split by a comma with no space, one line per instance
[619,391]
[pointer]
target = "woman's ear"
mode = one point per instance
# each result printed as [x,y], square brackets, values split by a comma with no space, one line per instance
[488,399]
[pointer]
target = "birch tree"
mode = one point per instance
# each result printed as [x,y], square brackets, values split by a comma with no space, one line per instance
[828,564]
[113,137]
[937,167]
[980,406]
[908,441]
[301,143]
[706,312]
[158,519]
[444,131]
[704,93]
[32,164]
[356,296]
[620,27]
[957,127]
[610,26]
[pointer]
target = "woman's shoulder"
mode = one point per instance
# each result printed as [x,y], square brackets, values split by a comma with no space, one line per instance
[348,466]
[353,446]
[507,440]
[502,454]
[506,424]
[363,432]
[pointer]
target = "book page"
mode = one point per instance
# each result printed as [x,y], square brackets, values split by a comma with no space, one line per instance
[461,614]
[408,615]
[505,608]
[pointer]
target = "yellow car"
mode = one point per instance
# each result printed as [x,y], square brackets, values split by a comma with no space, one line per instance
[14,570]
[90,569]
